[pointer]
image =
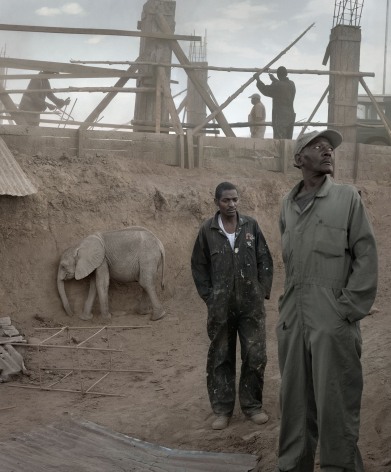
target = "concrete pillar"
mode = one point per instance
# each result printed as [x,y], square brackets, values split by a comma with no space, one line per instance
[154,50]
[195,105]
[344,50]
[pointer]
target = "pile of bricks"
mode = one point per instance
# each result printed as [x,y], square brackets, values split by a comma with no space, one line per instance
[11,361]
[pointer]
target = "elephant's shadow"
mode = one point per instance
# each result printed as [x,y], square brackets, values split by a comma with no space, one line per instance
[125,298]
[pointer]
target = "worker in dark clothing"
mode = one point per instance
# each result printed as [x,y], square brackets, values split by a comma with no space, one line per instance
[232,269]
[330,259]
[282,90]
[36,101]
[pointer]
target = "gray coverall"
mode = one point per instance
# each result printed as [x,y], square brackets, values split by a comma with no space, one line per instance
[234,284]
[330,259]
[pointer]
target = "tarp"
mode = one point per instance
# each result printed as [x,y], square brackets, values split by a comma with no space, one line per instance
[83,446]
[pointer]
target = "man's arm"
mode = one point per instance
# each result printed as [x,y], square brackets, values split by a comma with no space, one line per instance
[59,102]
[267,90]
[264,262]
[360,292]
[200,266]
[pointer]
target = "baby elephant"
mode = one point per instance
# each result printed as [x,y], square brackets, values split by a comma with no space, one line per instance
[126,255]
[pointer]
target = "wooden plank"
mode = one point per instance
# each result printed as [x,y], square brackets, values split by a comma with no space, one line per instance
[229,69]
[85,89]
[97,32]
[158,102]
[63,76]
[30,64]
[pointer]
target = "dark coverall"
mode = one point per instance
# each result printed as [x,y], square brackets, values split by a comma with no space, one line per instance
[36,101]
[283,92]
[234,284]
[330,259]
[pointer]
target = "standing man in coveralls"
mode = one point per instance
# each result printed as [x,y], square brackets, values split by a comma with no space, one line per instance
[232,269]
[330,259]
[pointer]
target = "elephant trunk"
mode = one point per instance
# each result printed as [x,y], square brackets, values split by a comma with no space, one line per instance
[63,296]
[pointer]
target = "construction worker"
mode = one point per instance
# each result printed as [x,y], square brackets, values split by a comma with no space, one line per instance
[330,259]
[36,101]
[232,269]
[257,117]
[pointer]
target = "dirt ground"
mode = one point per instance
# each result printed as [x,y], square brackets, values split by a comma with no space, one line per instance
[166,401]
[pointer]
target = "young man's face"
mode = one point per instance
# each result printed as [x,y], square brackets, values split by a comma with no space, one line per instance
[317,157]
[228,203]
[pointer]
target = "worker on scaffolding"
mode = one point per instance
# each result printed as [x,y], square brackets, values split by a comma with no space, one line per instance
[35,102]
[282,90]
[257,117]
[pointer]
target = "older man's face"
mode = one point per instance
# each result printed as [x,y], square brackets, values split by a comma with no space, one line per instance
[317,158]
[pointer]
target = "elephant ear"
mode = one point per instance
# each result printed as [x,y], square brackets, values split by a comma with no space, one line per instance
[90,255]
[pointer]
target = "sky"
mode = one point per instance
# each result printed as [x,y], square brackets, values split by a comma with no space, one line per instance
[238,33]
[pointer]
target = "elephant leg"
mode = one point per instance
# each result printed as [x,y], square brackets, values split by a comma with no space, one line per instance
[102,286]
[148,284]
[87,315]
[144,305]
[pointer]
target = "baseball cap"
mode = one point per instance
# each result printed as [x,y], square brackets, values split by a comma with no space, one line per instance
[333,136]
[255,95]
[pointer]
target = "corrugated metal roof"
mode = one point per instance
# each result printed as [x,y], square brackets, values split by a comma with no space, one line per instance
[82,446]
[13,181]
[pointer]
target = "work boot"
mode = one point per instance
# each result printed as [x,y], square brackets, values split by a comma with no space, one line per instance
[221,422]
[259,418]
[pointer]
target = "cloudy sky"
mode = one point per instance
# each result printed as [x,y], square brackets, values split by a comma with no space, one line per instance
[239,33]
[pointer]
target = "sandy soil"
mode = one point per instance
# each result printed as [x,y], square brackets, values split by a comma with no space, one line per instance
[166,403]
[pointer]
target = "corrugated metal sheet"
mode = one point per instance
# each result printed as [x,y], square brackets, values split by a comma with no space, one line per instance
[81,446]
[13,181]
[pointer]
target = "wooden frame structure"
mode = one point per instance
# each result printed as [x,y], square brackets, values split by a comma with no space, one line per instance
[161,89]
[75,369]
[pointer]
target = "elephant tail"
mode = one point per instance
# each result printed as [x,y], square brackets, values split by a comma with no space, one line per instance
[163,259]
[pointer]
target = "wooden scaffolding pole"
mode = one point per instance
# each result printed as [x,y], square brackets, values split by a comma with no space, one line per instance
[109,97]
[170,101]
[182,58]
[98,32]
[245,85]
[315,110]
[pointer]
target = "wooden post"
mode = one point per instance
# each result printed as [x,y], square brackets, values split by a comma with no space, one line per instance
[169,101]
[81,135]
[344,48]
[190,149]
[199,156]
[181,150]
[158,113]
[286,155]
